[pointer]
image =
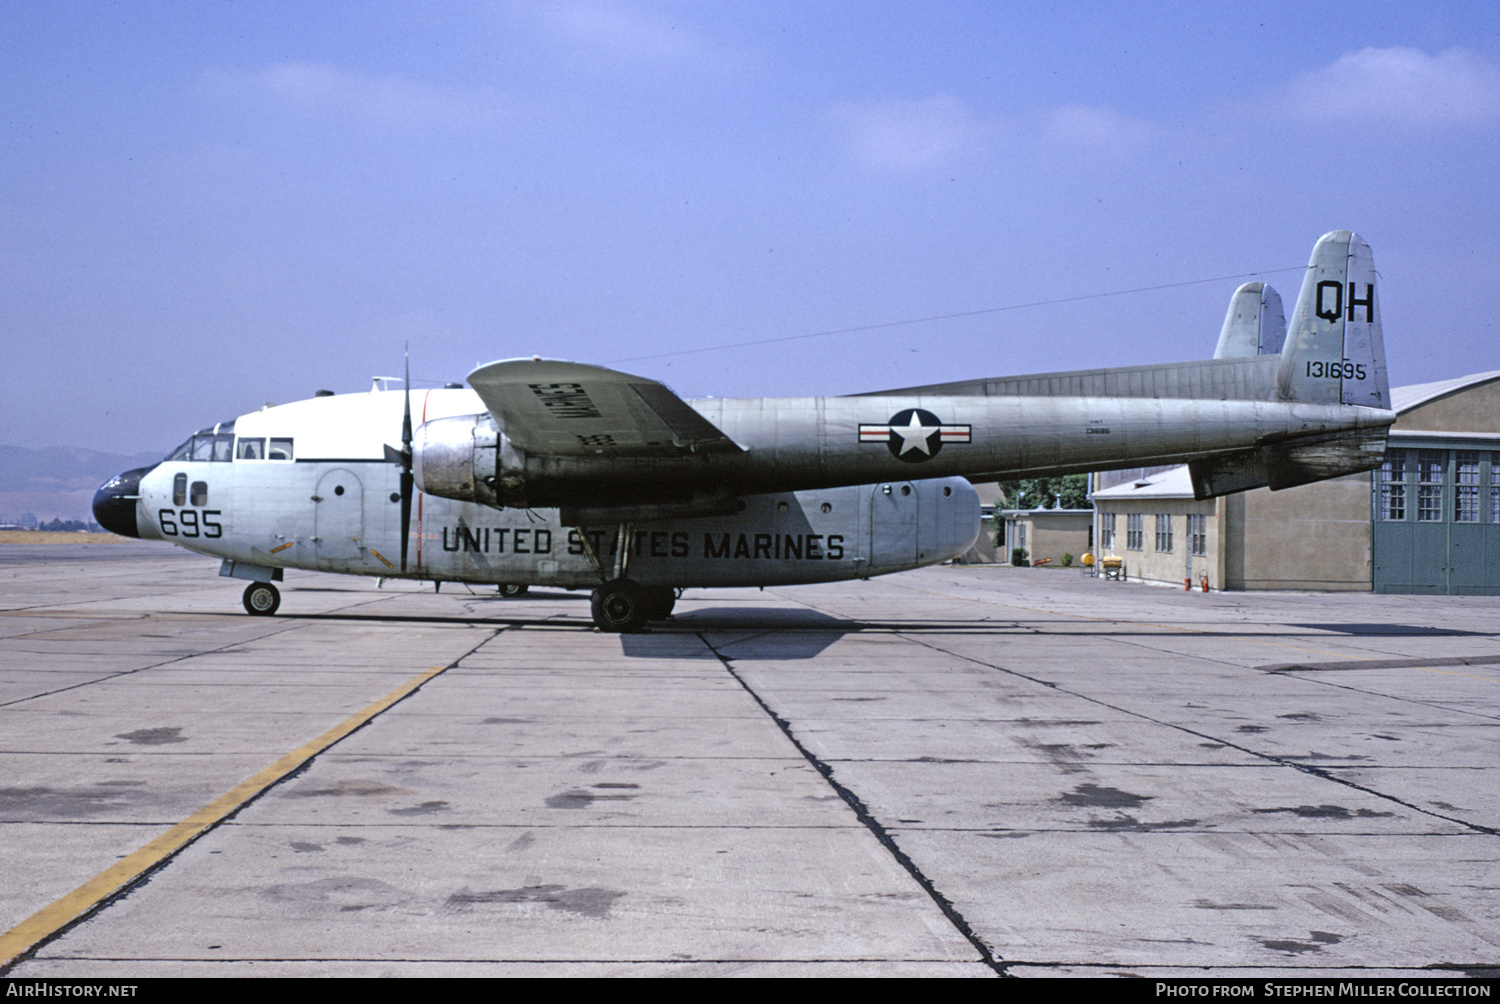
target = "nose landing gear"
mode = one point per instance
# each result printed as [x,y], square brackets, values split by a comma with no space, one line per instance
[261,599]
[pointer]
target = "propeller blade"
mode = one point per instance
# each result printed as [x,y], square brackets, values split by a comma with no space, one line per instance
[405,458]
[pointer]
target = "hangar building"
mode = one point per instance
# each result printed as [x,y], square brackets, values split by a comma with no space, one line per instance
[1428,521]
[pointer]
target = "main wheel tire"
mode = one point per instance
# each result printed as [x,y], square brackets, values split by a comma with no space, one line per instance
[510,590]
[659,602]
[261,599]
[620,606]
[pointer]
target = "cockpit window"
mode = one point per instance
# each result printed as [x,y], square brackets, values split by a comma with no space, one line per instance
[179,490]
[214,444]
[281,449]
[200,493]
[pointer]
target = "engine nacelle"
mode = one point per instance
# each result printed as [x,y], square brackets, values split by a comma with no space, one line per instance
[463,458]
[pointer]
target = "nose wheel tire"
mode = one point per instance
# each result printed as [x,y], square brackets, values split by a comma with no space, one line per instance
[510,590]
[261,599]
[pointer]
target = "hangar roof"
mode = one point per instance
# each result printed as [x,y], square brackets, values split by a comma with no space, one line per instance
[1169,484]
[1406,398]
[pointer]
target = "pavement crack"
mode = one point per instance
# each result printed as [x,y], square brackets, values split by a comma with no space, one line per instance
[862,812]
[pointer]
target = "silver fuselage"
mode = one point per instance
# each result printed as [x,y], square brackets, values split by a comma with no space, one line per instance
[335,507]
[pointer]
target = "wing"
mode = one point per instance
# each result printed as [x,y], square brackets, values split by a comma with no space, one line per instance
[554,408]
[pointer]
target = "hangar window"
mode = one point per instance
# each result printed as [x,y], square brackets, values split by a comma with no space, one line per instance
[200,493]
[1107,531]
[179,490]
[1393,486]
[1135,531]
[1430,486]
[1495,488]
[1198,532]
[1466,488]
[1164,533]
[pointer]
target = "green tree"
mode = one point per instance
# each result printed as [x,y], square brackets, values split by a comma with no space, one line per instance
[1042,493]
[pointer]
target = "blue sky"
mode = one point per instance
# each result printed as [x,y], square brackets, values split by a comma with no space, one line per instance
[207,207]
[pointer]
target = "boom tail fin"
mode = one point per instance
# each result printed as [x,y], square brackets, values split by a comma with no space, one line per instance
[1255,324]
[1335,353]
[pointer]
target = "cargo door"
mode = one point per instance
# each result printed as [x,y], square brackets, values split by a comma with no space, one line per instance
[893,525]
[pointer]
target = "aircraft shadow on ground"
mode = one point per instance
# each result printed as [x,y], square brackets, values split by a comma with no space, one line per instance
[741,633]
[1389,630]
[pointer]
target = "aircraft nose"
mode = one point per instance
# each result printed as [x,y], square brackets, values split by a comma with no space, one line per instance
[114,502]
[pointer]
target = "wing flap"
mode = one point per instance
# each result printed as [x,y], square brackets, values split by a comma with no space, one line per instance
[553,408]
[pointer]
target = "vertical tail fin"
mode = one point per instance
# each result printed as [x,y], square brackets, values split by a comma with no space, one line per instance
[1255,324]
[1335,353]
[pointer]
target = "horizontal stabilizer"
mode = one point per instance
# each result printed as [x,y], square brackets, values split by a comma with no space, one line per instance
[547,407]
[1287,465]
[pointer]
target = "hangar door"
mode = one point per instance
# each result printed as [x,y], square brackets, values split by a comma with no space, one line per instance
[1437,521]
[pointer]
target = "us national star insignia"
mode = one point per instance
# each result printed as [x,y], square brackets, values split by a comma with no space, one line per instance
[914,435]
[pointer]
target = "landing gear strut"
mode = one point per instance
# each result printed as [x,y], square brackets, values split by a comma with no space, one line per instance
[619,604]
[261,599]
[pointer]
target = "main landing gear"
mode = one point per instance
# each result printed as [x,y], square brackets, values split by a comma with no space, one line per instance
[510,590]
[624,606]
[619,604]
[261,599]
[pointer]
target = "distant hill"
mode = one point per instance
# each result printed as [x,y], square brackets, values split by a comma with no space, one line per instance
[58,481]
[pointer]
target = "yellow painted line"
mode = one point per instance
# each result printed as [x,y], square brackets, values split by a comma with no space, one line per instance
[53,918]
[283,547]
[380,556]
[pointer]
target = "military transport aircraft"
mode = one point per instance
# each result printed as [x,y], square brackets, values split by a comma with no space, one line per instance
[564,474]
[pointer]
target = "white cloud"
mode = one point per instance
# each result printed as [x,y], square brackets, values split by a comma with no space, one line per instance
[1400,85]
[390,101]
[907,135]
[1096,128]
